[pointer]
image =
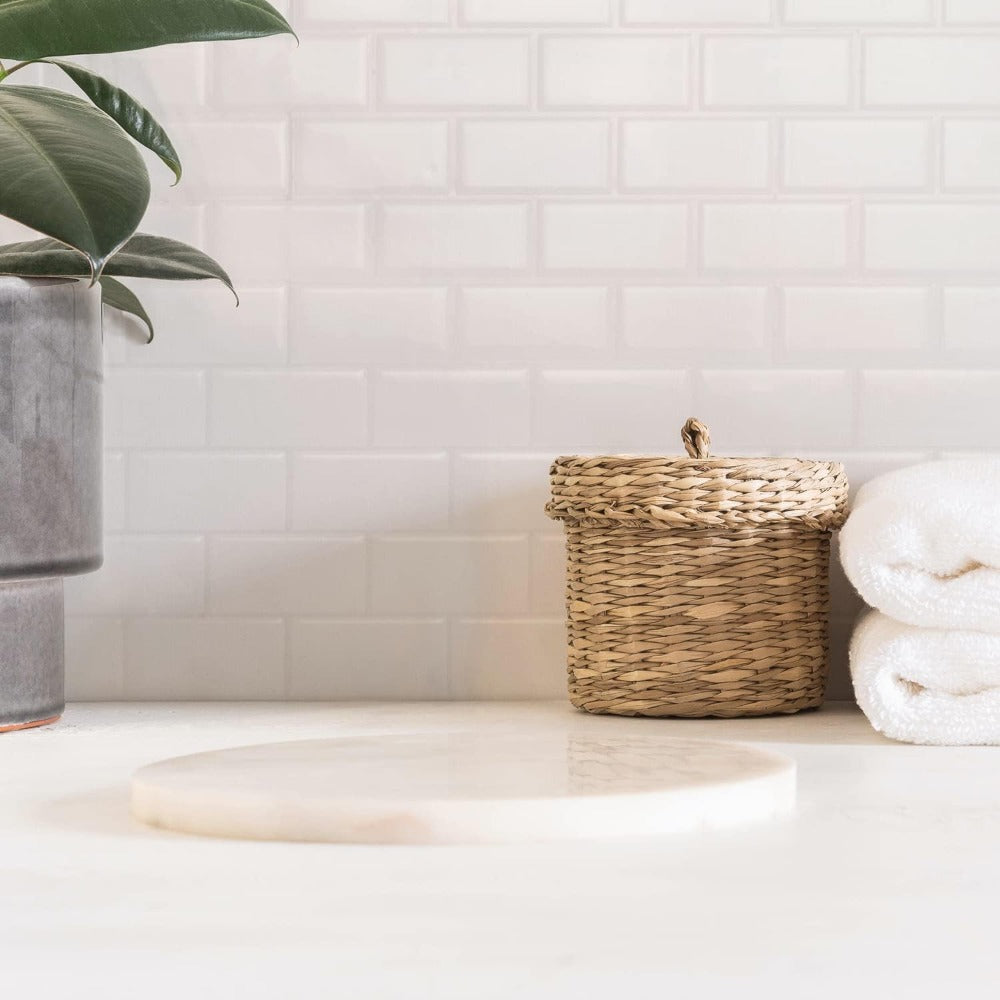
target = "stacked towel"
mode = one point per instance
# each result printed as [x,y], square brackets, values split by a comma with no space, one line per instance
[922,546]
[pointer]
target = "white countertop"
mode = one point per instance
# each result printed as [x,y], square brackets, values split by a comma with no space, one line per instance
[885,883]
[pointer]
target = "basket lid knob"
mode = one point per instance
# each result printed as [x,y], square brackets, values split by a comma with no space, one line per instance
[697,440]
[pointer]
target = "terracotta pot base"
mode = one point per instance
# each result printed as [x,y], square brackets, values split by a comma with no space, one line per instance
[31,725]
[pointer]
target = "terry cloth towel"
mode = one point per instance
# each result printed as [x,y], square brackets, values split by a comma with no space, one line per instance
[924,685]
[922,544]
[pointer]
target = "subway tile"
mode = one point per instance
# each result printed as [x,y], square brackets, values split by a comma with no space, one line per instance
[493,659]
[922,70]
[761,71]
[608,71]
[332,157]
[855,321]
[696,12]
[199,323]
[569,155]
[374,492]
[392,659]
[286,575]
[548,575]
[288,409]
[150,408]
[777,412]
[972,319]
[95,658]
[535,11]
[695,319]
[623,236]
[165,78]
[775,236]
[614,411]
[318,72]
[971,151]
[451,408]
[497,491]
[466,71]
[694,154]
[206,491]
[454,236]
[932,237]
[382,12]
[919,409]
[454,575]
[529,318]
[858,11]
[204,658]
[338,326]
[971,12]
[279,243]
[142,575]
[114,491]
[877,153]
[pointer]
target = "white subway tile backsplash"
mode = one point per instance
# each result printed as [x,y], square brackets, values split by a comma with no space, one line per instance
[971,151]
[622,411]
[920,70]
[569,155]
[629,236]
[846,153]
[527,318]
[780,412]
[971,318]
[929,237]
[204,658]
[858,11]
[762,71]
[383,492]
[696,12]
[770,236]
[199,491]
[856,320]
[368,325]
[693,154]
[286,575]
[697,319]
[447,71]
[332,157]
[535,11]
[446,409]
[607,71]
[151,408]
[454,236]
[469,235]
[309,409]
[319,72]
[483,575]
[919,409]
[392,659]
[498,659]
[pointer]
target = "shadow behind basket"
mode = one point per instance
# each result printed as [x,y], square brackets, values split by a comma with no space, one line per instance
[697,586]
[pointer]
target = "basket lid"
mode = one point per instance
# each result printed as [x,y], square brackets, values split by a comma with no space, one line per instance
[698,491]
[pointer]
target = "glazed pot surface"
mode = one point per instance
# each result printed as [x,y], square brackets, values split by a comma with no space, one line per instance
[50,428]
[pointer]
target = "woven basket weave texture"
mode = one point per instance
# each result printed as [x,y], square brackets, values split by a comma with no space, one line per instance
[697,586]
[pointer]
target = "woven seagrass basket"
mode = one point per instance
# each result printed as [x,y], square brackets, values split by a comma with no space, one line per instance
[697,586]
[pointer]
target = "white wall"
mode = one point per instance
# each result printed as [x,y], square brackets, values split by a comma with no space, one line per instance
[470,236]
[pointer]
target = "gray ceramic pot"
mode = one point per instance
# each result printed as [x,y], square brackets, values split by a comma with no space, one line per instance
[50,479]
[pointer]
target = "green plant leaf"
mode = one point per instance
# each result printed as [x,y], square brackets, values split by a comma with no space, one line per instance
[67,170]
[36,29]
[121,297]
[143,256]
[136,120]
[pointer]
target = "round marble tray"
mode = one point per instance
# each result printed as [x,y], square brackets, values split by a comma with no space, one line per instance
[464,787]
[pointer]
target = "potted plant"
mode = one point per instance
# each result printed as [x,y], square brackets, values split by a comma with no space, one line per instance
[70,170]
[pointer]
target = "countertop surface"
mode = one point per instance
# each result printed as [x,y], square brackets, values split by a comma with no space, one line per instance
[884,883]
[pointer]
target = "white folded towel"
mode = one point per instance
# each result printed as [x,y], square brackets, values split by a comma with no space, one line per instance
[922,544]
[923,685]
